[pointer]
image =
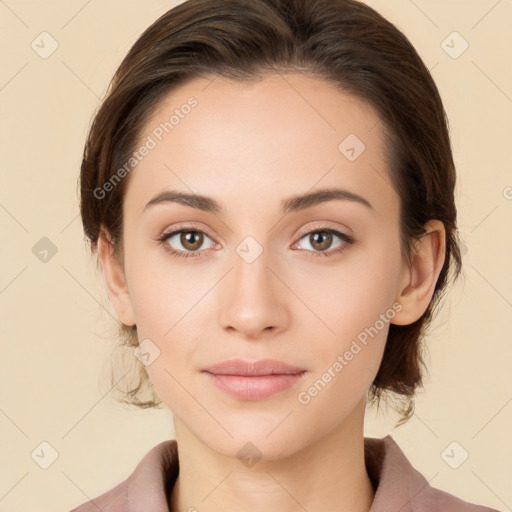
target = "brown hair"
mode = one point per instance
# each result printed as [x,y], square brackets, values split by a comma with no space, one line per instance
[341,41]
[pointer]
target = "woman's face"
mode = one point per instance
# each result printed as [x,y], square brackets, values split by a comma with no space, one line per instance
[260,280]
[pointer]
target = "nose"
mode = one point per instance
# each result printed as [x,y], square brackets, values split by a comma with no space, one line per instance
[253,299]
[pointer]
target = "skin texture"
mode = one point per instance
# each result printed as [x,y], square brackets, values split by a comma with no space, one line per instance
[250,146]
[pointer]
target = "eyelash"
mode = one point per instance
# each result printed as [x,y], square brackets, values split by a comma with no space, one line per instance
[186,254]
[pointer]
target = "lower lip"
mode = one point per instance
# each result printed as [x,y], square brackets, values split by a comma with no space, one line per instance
[255,387]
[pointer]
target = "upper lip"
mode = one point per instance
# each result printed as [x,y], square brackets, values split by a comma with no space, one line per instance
[262,367]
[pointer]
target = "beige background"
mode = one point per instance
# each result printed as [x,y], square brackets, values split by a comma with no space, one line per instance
[56,329]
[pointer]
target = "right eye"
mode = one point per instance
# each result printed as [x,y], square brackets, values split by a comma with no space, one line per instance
[190,238]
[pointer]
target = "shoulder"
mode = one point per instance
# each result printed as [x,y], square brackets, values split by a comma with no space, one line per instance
[436,499]
[113,500]
[146,488]
[400,486]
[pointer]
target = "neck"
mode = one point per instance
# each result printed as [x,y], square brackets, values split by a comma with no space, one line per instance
[328,474]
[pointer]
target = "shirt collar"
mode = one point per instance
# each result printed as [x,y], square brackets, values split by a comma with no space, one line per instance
[395,480]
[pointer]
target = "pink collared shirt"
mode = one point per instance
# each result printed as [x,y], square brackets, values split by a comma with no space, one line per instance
[398,486]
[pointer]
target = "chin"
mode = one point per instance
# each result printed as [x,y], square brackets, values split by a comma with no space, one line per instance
[260,436]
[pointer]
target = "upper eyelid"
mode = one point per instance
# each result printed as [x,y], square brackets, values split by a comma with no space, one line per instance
[325,227]
[180,229]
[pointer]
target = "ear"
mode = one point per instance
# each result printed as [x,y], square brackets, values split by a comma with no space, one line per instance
[115,281]
[419,279]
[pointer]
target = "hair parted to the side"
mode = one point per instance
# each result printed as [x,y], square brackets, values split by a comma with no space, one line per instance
[344,42]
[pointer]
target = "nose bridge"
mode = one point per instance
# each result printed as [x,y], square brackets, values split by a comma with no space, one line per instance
[252,301]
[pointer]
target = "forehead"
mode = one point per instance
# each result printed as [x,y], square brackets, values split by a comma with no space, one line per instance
[282,135]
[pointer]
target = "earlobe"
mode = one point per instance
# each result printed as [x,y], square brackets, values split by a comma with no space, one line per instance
[115,281]
[417,288]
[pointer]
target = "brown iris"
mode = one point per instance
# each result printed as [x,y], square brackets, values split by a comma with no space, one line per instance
[321,240]
[194,239]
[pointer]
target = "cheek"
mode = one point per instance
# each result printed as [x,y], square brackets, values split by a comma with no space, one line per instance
[347,357]
[166,303]
[163,292]
[350,297]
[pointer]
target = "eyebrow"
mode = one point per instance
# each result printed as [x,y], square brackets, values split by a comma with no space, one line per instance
[292,204]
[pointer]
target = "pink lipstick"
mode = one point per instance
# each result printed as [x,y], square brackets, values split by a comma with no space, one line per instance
[254,380]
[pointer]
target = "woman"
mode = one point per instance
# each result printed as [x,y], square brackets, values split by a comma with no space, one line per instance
[269,186]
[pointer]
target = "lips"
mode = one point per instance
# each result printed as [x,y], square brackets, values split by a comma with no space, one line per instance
[257,380]
[255,368]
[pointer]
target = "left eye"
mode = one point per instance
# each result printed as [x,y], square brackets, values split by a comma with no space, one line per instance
[320,240]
